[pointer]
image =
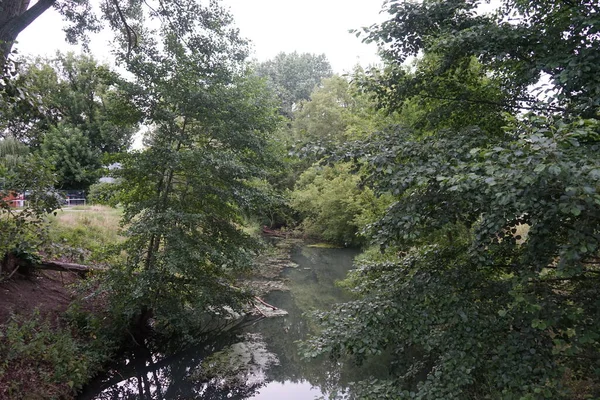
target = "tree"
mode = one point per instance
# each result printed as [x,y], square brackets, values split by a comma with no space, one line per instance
[520,43]
[76,163]
[188,190]
[332,203]
[72,95]
[489,284]
[294,76]
[16,15]
[336,112]
[333,206]
[78,91]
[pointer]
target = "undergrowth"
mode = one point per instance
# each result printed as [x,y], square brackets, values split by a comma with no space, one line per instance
[44,359]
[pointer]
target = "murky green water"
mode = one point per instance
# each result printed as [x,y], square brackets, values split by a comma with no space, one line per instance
[312,286]
[262,361]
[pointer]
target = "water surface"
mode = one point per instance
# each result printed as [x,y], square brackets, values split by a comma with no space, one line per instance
[262,361]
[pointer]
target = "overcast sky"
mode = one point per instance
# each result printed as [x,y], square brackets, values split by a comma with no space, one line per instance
[273,26]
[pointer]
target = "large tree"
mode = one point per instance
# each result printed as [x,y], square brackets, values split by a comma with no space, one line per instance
[74,90]
[489,288]
[188,190]
[294,76]
[78,112]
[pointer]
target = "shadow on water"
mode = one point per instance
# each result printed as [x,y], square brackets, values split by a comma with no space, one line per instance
[260,361]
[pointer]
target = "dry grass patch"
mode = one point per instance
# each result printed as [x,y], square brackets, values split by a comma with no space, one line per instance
[81,233]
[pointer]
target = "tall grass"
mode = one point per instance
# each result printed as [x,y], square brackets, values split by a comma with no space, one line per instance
[83,233]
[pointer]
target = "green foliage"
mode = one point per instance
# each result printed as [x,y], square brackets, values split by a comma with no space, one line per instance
[518,44]
[430,100]
[333,205]
[75,161]
[337,112]
[42,360]
[79,111]
[188,191]
[539,286]
[104,193]
[24,230]
[76,91]
[466,306]
[293,77]
[12,152]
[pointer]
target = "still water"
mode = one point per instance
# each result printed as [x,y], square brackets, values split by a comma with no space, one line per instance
[261,362]
[312,287]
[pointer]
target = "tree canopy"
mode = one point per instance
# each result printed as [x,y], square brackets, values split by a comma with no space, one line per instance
[294,76]
[73,110]
[488,284]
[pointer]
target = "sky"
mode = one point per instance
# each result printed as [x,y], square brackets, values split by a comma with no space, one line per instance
[273,26]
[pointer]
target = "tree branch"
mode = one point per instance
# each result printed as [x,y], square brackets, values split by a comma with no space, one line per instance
[14,26]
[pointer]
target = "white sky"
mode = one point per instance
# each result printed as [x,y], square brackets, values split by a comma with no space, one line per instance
[273,26]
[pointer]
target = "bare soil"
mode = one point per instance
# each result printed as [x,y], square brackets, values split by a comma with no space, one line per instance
[46,291]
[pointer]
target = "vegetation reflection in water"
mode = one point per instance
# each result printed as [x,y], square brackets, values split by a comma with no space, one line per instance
[261,362]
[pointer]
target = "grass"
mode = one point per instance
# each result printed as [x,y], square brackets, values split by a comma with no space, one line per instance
[82,233]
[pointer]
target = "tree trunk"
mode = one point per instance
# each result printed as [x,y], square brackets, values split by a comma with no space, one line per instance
[14,17]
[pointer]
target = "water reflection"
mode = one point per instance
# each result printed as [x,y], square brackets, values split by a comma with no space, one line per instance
[262,361]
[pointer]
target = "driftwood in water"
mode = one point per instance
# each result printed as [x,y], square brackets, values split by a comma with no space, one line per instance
[265,303]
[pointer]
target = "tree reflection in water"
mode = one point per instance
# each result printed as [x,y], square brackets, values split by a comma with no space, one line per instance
[238,365]
[206,372]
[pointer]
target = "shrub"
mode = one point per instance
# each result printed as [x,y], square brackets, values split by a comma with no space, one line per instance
[43,361]
[105,193]
[333,205]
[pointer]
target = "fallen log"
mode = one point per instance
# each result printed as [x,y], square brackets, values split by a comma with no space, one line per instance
[26,266]
[64,266]
[272,232]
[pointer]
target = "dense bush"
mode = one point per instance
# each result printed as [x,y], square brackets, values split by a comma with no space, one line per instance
[39,360]
[104,193]
[333,205]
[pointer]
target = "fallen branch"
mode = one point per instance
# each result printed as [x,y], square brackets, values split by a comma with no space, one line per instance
[265,303]
[64,266]
[80,269]
[272,232]
[9,276]
[260,311]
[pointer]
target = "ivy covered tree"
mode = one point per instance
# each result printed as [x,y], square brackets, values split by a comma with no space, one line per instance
[489,284]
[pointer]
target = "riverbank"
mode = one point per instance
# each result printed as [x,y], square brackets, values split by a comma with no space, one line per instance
[44,310]
[261,360]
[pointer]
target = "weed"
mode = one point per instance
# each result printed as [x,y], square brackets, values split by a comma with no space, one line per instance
[43,360]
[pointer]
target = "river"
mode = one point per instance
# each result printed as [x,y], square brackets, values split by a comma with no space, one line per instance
[261,361]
